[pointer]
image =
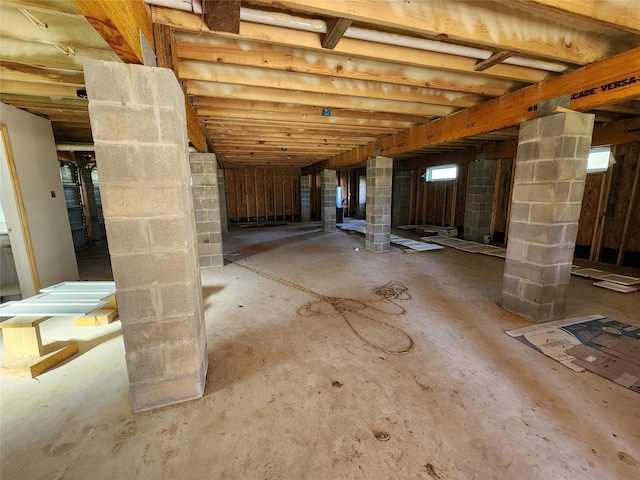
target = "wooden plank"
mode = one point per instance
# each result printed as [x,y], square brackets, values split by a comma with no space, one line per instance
[119,23]
[102,316]
[34,367]
[538,37]
[494,59]
[335,31]
[222,15]
[23,342]
[615,79]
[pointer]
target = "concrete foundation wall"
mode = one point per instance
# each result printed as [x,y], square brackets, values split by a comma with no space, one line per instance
[139,128]
[379,179]
[479,204]
[206,204]
[547,195]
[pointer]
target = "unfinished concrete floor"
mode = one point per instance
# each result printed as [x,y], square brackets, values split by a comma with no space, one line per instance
[291,397]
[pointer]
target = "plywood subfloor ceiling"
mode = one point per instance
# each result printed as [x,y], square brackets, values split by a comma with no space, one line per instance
[308,81]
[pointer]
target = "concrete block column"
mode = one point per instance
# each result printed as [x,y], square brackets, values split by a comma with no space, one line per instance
[328,200]
[479,202]
[401,197]
[547,196]
[222,193]
[379,179]
[206,203]
[139,129]
[305,198]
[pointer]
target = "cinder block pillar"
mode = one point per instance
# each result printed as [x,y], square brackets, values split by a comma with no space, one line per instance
[328,200]
[222,193]
[401,200]
[305,198]
[479,202]
[547,195]
[206,203]
[379,179]
[139,129]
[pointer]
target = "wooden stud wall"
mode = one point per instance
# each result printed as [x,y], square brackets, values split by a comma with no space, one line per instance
[438,203]
[502,200]
[261,194]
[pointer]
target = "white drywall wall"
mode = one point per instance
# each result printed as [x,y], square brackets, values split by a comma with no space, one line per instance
[38,173]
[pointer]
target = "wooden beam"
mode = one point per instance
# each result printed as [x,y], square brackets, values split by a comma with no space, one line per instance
[120,24]
[614,13]
[614,80]
[494,59]
[614,133]
[222,15]
[166,58]
[335,31]
[487,24]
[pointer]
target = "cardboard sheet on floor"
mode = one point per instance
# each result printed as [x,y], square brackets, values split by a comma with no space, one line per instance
[608,366]
[617,345]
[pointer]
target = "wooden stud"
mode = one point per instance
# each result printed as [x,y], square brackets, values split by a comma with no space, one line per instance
[630,211]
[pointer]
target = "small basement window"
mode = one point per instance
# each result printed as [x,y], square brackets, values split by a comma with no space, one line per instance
[441,173]
[599,159]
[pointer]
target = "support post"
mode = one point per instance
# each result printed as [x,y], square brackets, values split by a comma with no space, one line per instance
[549,183]
[138,122]
[328,200]
[379,178]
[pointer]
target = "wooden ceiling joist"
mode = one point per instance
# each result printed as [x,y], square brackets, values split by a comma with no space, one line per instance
[614,13]
[270,57]
[243,92]
[286,37]
[489,24]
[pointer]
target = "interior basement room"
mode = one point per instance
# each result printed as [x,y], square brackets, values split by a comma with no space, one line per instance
[305,239]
